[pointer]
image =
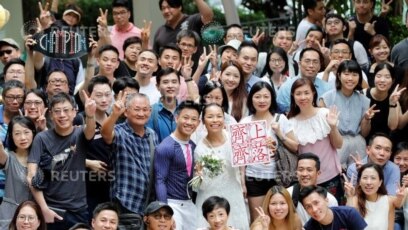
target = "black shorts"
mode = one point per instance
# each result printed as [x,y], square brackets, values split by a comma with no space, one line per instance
[258,186]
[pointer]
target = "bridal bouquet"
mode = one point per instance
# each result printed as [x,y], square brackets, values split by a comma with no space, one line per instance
[209,165]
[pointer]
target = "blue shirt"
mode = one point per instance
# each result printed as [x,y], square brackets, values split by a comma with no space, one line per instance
[343,218]
[391,175]
[162,121]
[131,160]
[283,97]
[251,81]
[171,171]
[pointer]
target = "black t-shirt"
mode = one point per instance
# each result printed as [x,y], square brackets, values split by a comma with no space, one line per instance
[345,218]
[124,70]
[379,123]
[381,27]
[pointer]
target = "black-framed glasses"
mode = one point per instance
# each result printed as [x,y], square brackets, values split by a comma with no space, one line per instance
[11,98]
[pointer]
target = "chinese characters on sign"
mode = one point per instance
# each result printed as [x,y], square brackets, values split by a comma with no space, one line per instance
[248,142]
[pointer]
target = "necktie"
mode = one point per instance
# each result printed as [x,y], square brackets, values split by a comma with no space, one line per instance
[189,163]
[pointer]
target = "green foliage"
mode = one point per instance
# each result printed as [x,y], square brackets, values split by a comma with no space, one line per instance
[398,31]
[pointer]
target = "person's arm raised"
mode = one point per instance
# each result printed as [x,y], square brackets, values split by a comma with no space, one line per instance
[107,130]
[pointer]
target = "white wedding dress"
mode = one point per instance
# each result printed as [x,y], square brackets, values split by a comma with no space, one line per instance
[227,185]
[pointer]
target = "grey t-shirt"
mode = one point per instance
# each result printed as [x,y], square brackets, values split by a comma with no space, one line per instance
[65,156]
[16,190]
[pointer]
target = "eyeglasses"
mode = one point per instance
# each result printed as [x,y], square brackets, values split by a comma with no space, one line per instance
[333,22]
[119,13]
[186,45]
[60,111]
[60,81]
[23,218]
[340,51]
[235,36]
[2,52]
[11,98]
[310,61]
[31,103]
[15,72]
[276,61]
[159,216]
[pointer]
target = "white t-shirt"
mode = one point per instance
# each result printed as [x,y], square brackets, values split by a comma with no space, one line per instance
[151,91]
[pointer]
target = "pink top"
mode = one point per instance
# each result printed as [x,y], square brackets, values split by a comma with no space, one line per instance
[313,136]
[119,37]
[183,93]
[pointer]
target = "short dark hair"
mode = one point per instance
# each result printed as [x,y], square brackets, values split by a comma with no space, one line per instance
[11,85]
[130,41]
[105,206]
[39,93]
[350,66]
[13,61]
[309,5]
[250,44]
[213,202]
[170,46]
[61,97]
[108,48]
[333,15]
[164,72]
[257,87]
[123,82]
[172,3]
[378,134]
[189,34]
[23,121]
[150,51]
[321,57]
[306,191]
[401,146]
[121,3]
[98,80]
[188,105]
[310,156]
[315,28]
[234,25]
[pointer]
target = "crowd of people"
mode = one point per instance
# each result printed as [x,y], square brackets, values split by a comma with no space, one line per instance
[115,142]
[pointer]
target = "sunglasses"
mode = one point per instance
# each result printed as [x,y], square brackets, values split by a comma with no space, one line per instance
[2,52]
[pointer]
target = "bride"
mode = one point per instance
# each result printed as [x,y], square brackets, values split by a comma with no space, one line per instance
[228,184]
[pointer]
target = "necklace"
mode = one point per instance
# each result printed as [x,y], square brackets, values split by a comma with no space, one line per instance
[222,141]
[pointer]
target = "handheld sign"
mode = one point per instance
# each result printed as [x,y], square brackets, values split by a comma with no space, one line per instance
[61,42]
[248,142]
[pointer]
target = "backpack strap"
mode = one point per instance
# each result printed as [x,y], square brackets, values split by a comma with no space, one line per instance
[295,194]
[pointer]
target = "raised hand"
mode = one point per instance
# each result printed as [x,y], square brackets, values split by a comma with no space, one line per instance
[265,219]
[41,122]
[332,117]
[401,191]
[385,7]
[258,36]
[348,185]
[45,15]
[29,43]
[323,49]
[186,69]
[333,64]
[369,114]
[145,33]
[103,18]
[358,161]
[94,47]
[119,106]
[295,46]
[369,28]
[352,26]
[90,105]
[396,94]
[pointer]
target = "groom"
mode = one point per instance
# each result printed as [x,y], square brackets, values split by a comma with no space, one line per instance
[174,164]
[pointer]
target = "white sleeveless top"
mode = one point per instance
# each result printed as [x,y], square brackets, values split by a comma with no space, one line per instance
[377,214]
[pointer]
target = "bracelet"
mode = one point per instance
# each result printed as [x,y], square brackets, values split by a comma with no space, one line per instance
[89,117]
[393,106]
[187,80]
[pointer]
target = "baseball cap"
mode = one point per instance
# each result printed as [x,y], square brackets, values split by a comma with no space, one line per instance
[73,9]
[155,206]
[234,44]
[9,42]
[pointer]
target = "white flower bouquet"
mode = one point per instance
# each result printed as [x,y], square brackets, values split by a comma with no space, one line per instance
[208,165]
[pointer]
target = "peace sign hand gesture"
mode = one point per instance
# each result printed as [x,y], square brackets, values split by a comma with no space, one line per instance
[145,33]
[90,105]
[102,20]
[119,106]
[45,15]
[348,186]
[369,114]
[186,69]
[264,219]
[400,191]
[385,7]
[41,122]
[396,94]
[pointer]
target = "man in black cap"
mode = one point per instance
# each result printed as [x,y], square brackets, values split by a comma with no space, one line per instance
[158,215]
